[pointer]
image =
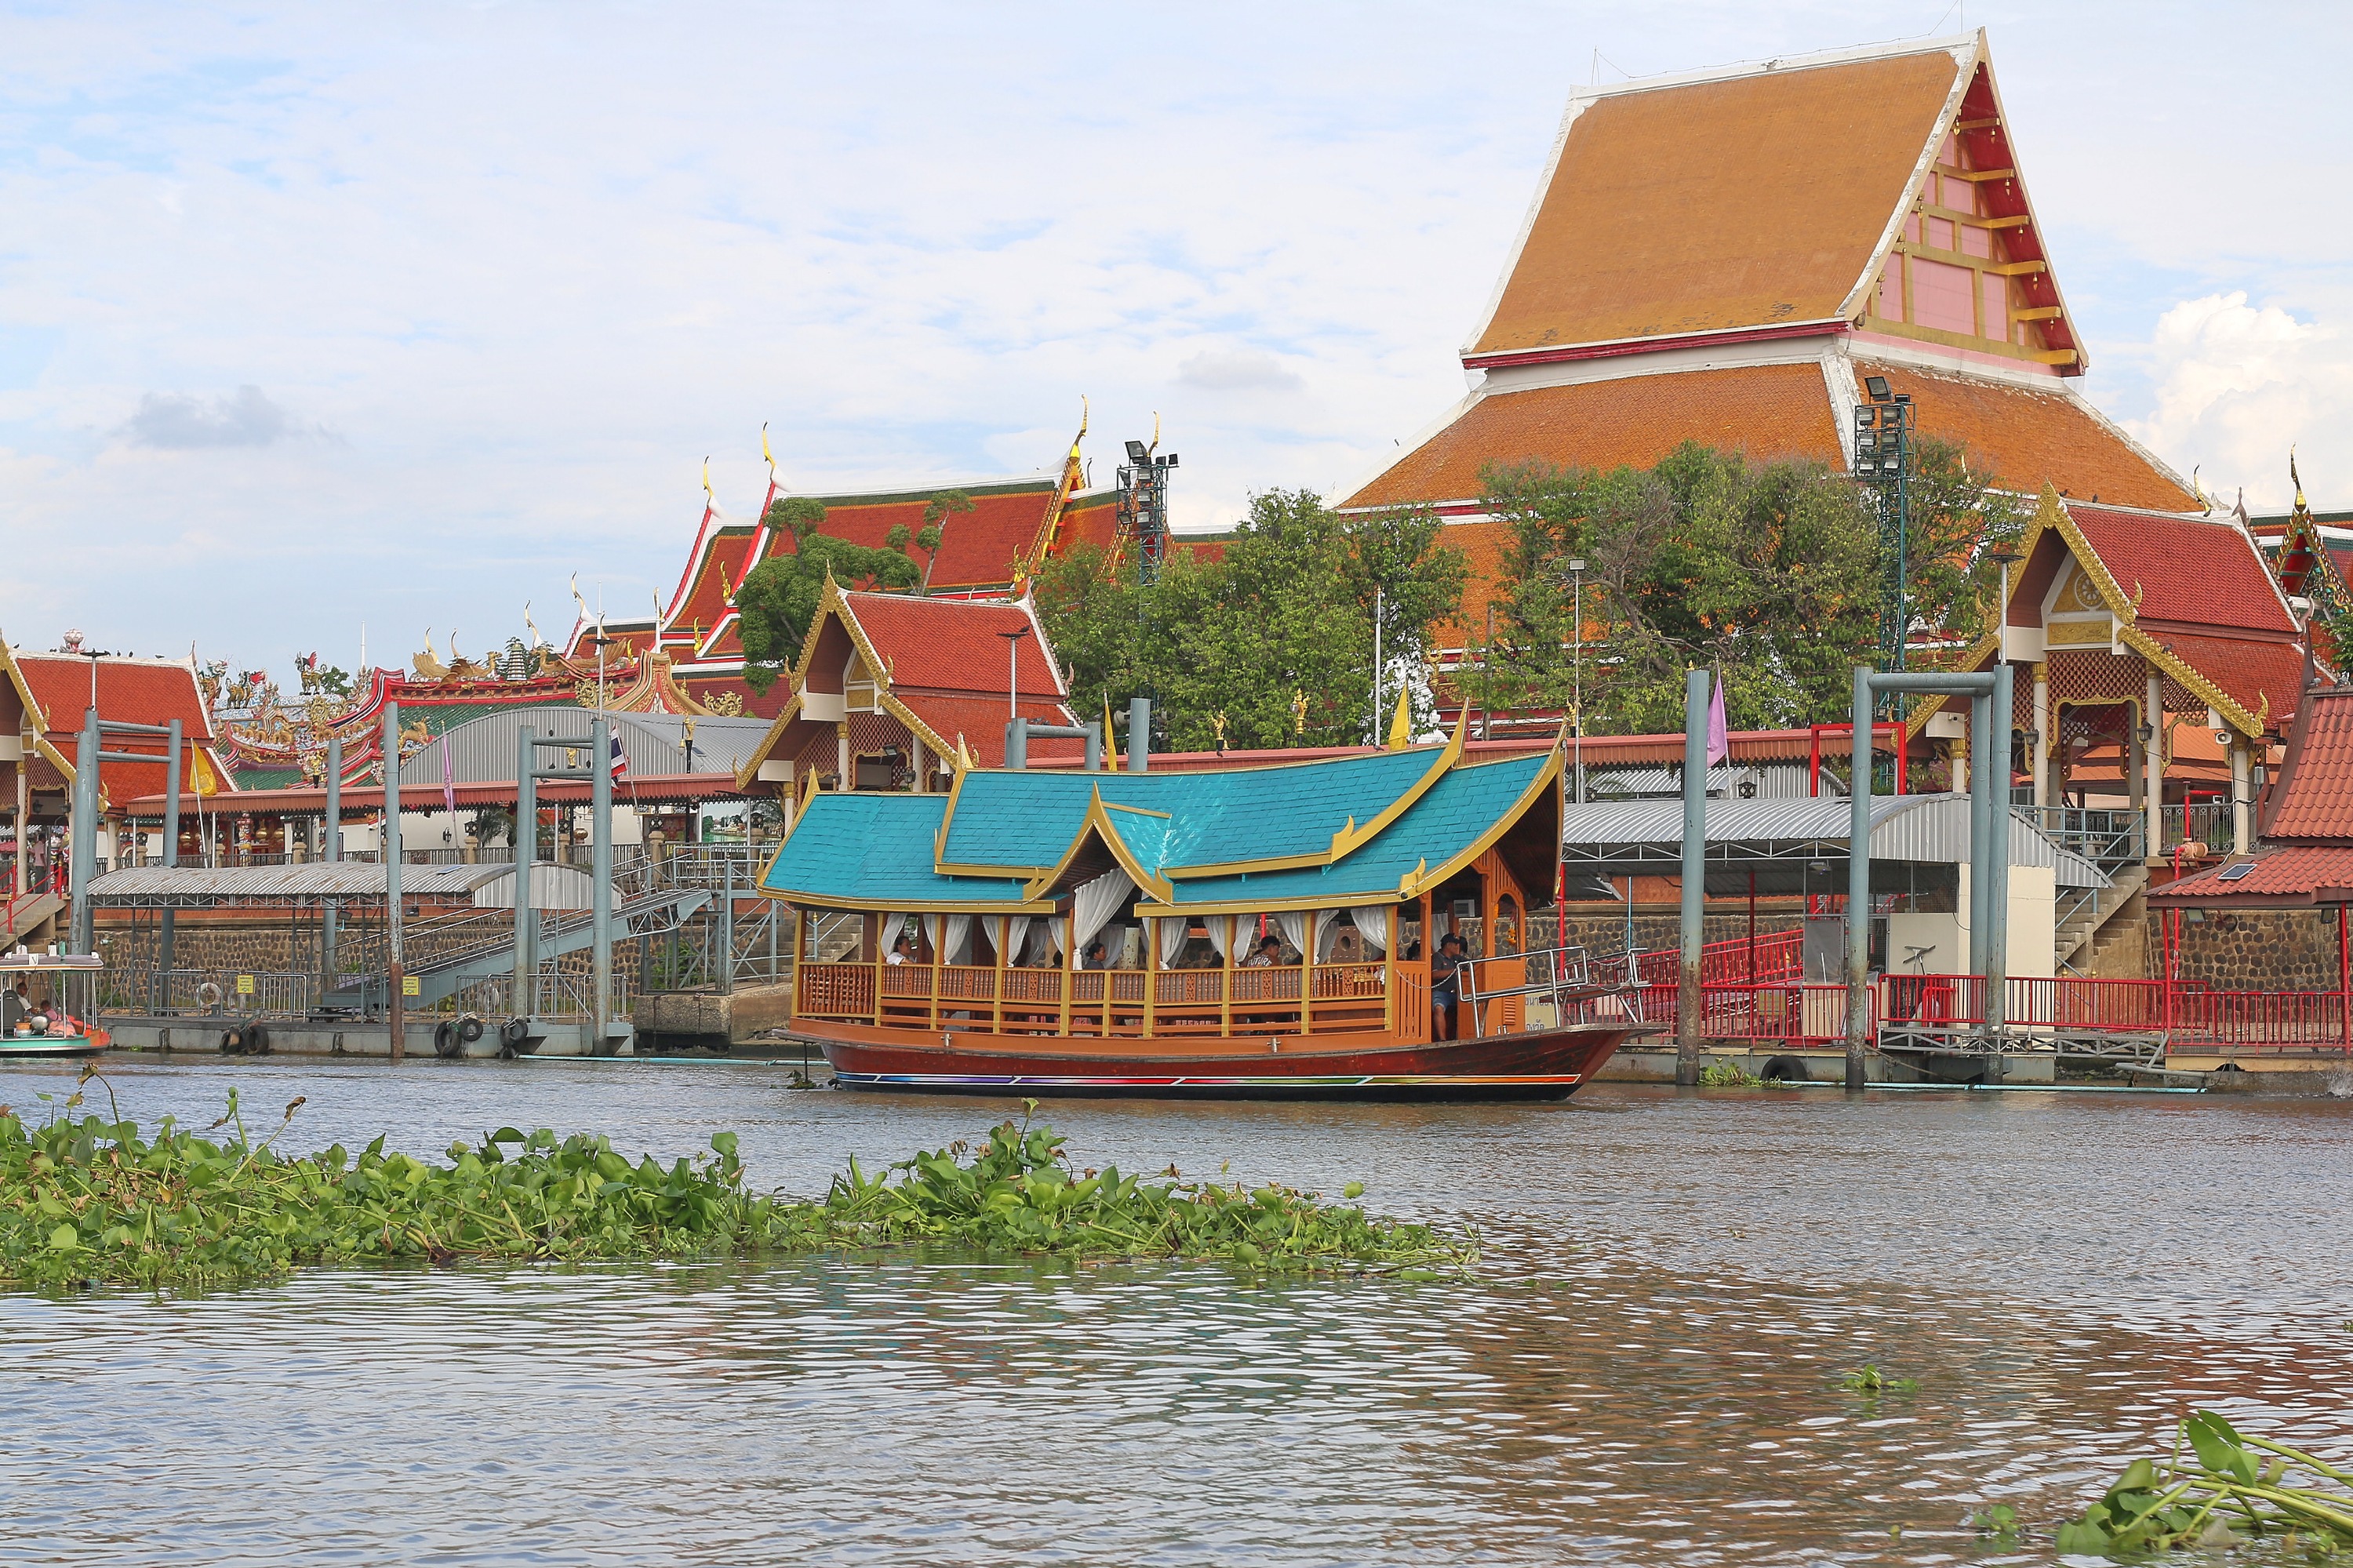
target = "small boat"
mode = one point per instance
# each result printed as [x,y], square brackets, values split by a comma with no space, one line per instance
[1258,932]
[34,1019]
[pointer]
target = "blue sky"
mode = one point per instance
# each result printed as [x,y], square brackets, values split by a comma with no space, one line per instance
[313,318]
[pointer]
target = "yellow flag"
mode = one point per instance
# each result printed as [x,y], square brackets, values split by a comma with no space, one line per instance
[1401,726]
[1110,742]
[207,781]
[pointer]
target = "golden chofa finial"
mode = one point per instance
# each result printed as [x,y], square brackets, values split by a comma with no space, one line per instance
[2295,478]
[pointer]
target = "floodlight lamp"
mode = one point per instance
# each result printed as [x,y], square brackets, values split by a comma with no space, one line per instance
[1576,564]
[1866,442]
[1168,461]
[1904,398]
[1864,418]
[1877,387]
[1136,452]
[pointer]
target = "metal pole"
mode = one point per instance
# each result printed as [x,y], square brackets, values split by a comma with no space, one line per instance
[1997,942]
[334,850]
[84,843]
[1376,666]
[1576,701]
[600,866]
[727,932]
[1139,734]
[167,925]
[525,834]
[1858,888]
[1689,1006]
[1981,823]
[395,976]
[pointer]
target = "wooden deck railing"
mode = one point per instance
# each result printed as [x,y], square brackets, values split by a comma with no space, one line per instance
[1130,1004]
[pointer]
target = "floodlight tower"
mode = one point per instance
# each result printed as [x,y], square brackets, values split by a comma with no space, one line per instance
[1882,459]
[1142,506]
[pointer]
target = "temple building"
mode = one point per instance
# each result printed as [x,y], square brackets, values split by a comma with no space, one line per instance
[1742,258]
[1013,525]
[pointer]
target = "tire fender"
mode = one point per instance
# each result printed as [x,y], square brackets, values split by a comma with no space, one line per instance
[445,1040]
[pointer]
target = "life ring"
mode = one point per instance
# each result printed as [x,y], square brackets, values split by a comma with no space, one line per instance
[469,1029]
[209,995]
[445,1040]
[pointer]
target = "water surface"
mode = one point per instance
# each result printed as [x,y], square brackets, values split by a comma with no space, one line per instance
[1647,1371]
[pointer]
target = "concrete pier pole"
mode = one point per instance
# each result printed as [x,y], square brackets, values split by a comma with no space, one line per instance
[1691,1005]
[395,975]
[1858,890]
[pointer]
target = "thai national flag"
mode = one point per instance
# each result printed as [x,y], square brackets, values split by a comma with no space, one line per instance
[620,761]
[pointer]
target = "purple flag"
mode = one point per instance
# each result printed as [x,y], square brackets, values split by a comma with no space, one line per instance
[450,790]
[1719,737]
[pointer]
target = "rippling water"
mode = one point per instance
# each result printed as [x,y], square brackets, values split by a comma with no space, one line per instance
[1647,1372]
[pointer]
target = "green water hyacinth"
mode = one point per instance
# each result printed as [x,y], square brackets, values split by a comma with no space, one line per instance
[90,1202]
[2227,1486]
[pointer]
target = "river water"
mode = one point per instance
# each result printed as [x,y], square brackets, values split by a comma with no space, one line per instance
[1647,1370]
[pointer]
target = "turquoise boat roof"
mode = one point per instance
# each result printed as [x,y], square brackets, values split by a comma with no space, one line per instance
[874,852]
[1278,837]
[1027,819]
[1452,817]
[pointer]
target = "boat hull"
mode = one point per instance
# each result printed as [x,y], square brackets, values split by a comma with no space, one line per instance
[1539,1064]
[15,1047]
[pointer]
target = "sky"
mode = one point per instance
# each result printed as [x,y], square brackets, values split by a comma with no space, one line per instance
[320,324]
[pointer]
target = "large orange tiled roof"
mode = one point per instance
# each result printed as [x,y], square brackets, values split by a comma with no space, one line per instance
[955,645]
[979,548]
[1765,411]
[1752,201]
[2031,438]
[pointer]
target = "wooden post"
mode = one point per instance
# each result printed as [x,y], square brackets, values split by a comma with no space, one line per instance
[2344,980]
[1307,974]
[1151,965]
[1390,969]
[1226,974]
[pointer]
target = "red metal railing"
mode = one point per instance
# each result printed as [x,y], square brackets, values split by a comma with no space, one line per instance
[2260,1020]
[1779,956]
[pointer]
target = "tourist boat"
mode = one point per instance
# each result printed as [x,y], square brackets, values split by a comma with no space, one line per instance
[1266,932]
[29,1025]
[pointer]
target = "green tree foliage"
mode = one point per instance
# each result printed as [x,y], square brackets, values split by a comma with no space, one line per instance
[779,598]
[1270,645]
[936,512]
[1769,572]
[1959,521]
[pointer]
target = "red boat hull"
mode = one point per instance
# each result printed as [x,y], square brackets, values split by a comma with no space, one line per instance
[1540,1065]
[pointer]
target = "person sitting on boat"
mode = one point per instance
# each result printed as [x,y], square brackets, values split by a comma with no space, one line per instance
[1445,986]
[901,951]
[1269,954]
[1094,957]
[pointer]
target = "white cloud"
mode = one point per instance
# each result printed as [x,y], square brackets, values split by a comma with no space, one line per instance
[2235,385]
[174,421]
[1238,370]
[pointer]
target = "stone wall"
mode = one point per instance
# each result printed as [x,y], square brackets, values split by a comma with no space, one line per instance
[2260,949]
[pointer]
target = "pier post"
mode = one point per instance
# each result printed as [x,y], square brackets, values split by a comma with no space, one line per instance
[600,864]
[396,998]
[1858,888]
[1996,864]
[1690,999]
[163,935]
[525,837]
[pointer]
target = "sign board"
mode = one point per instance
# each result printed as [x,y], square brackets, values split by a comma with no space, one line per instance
[408,986]
[245,985]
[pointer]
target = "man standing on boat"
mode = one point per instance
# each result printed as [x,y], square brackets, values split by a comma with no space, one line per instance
[1445,986]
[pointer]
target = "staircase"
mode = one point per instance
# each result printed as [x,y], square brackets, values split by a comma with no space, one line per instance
[2093,928]
[460,964]
[23,914]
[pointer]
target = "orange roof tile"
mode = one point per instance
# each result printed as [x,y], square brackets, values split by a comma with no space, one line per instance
[956,645]
[1755,200]
[2029,438]
[133,691]
[2188,569]
[2300,876]
[2315,799]
[978,549]
[981,722]
[1485,547]
[1765,411]
[2263,678]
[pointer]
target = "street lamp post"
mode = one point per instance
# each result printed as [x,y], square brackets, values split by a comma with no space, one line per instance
[1576,701]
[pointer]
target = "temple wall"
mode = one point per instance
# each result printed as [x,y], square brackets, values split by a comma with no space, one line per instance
[2260,949]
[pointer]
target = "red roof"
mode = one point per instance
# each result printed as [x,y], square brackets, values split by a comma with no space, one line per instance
[133,691]
[2299,875]
[2315,797]
[980,720]
[953,645]
[2187,569]
[2261,677]
[978,549]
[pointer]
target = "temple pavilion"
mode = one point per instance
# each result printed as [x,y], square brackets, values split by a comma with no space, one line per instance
[1732,256]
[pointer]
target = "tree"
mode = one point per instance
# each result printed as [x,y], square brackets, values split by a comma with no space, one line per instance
[936,512]
[1959,521]
[1769,572]
[779,597]
[1270,644]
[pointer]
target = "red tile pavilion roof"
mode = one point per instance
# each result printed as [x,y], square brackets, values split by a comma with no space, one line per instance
[135,691]
[2314,799]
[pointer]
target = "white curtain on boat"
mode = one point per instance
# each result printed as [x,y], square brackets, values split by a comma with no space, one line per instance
[1169,931]
[1373,924]
[993,926]
[950,937]
[1327,935]
[1221,935]
[1292,923]
[1057,938]
[1016,947]
[1092,904]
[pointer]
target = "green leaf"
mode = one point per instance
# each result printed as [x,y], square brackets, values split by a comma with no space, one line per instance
[2139,1476]
[1352,1190]
[65,1238]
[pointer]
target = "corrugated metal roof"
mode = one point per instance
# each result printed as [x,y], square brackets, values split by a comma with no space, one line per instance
[483,750]
[1923,829]
[554,886]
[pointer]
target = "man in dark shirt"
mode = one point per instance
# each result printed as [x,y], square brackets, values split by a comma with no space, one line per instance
[1445,986]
